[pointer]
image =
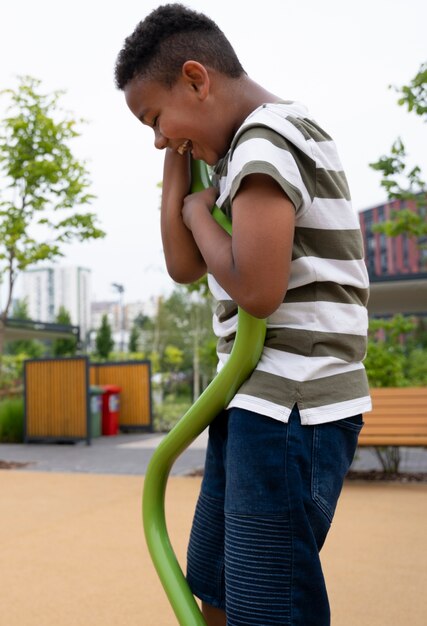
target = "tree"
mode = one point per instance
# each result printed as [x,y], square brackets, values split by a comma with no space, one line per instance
[183,320]
[173,358]
[104,339]
[401,181]
[43,184]
[134,338]
[28,347]
[64,347]
[420,334]
[389,347]
[396,358]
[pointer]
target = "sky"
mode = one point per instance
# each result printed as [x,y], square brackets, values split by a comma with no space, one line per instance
[337,57]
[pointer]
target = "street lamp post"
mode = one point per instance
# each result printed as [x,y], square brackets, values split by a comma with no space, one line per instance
[120,290]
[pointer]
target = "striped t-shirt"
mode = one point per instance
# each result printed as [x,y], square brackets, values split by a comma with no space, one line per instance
[316,339]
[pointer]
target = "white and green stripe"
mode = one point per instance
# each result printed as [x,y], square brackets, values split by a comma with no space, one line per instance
[316,340]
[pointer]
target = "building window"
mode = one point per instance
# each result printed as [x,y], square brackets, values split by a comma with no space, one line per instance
[405,252]
[384,264]
[50,296]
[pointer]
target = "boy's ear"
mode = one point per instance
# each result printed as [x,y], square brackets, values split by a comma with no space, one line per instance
[196,76]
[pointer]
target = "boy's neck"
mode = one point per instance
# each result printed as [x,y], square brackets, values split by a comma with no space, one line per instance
[240,97]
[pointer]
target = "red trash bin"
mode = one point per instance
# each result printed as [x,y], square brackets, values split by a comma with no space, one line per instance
[110,409]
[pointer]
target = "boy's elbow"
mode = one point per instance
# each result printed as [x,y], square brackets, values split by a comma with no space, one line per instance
[185,275]
[185,268]
[262,305]
[261,312]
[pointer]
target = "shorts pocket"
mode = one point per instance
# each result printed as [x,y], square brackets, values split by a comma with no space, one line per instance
[334,446]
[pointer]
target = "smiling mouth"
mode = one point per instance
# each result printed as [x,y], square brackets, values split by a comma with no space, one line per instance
[184,147]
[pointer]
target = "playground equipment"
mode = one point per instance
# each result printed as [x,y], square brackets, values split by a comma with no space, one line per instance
[245,354]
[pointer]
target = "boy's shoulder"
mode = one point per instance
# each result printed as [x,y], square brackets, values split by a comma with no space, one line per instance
[274,113]
[281,108]
[288,119]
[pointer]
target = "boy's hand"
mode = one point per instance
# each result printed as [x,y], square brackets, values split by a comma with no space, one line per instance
[253,265]
[184,261]
[198,202]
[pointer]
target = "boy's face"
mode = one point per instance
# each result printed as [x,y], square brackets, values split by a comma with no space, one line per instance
[182,117]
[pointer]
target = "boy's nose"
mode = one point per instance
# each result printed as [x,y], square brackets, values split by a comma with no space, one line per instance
[160,142]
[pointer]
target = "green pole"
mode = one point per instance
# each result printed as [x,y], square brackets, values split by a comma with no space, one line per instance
[245,354]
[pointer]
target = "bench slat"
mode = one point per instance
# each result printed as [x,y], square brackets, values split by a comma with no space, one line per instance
[400,408]
[386,430]
[385,440]
[406,421]
[402,418]
[398,418]
[399,392]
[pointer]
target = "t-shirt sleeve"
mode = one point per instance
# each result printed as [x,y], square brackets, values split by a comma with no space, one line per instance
[262,150]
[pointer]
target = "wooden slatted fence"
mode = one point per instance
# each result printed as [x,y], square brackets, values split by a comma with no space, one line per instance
[57,399]
[134,379]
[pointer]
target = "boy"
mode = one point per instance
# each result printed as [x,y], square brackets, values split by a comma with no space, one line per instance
[278,455]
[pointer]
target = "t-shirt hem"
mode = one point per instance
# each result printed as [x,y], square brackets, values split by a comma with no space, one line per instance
[309,417]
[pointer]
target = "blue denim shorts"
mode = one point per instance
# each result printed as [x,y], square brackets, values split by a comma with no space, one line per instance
[267,500]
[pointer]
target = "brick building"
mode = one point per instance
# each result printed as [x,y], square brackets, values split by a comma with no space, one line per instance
[397,266]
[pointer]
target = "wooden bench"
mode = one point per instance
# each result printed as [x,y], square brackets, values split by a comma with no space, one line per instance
[399,418]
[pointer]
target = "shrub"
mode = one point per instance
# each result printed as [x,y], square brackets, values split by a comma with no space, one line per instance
[11,370]
[385,365]
[416,367]
[167,414]
[12,420]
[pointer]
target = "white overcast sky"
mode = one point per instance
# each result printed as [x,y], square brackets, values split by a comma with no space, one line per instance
[336,56]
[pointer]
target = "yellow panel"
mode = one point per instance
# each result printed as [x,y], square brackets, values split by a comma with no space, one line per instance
[92,375]
[56,393]
[134,381]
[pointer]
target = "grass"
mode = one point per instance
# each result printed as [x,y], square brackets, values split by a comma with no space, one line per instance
[12,420]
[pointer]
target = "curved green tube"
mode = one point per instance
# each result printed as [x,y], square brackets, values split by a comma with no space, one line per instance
[245,354]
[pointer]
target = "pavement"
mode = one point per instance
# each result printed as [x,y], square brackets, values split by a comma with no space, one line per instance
[121,454]
[129,454]
[73,553]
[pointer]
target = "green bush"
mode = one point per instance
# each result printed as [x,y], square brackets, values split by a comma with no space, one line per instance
[416,367]
[385,365]
[167,414]
[11,370]
[12,420]
[396,357]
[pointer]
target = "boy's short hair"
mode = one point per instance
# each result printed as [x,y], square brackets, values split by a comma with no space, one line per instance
[168,37]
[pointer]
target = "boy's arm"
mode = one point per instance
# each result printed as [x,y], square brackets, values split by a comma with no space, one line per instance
[184,262]
[253,266]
